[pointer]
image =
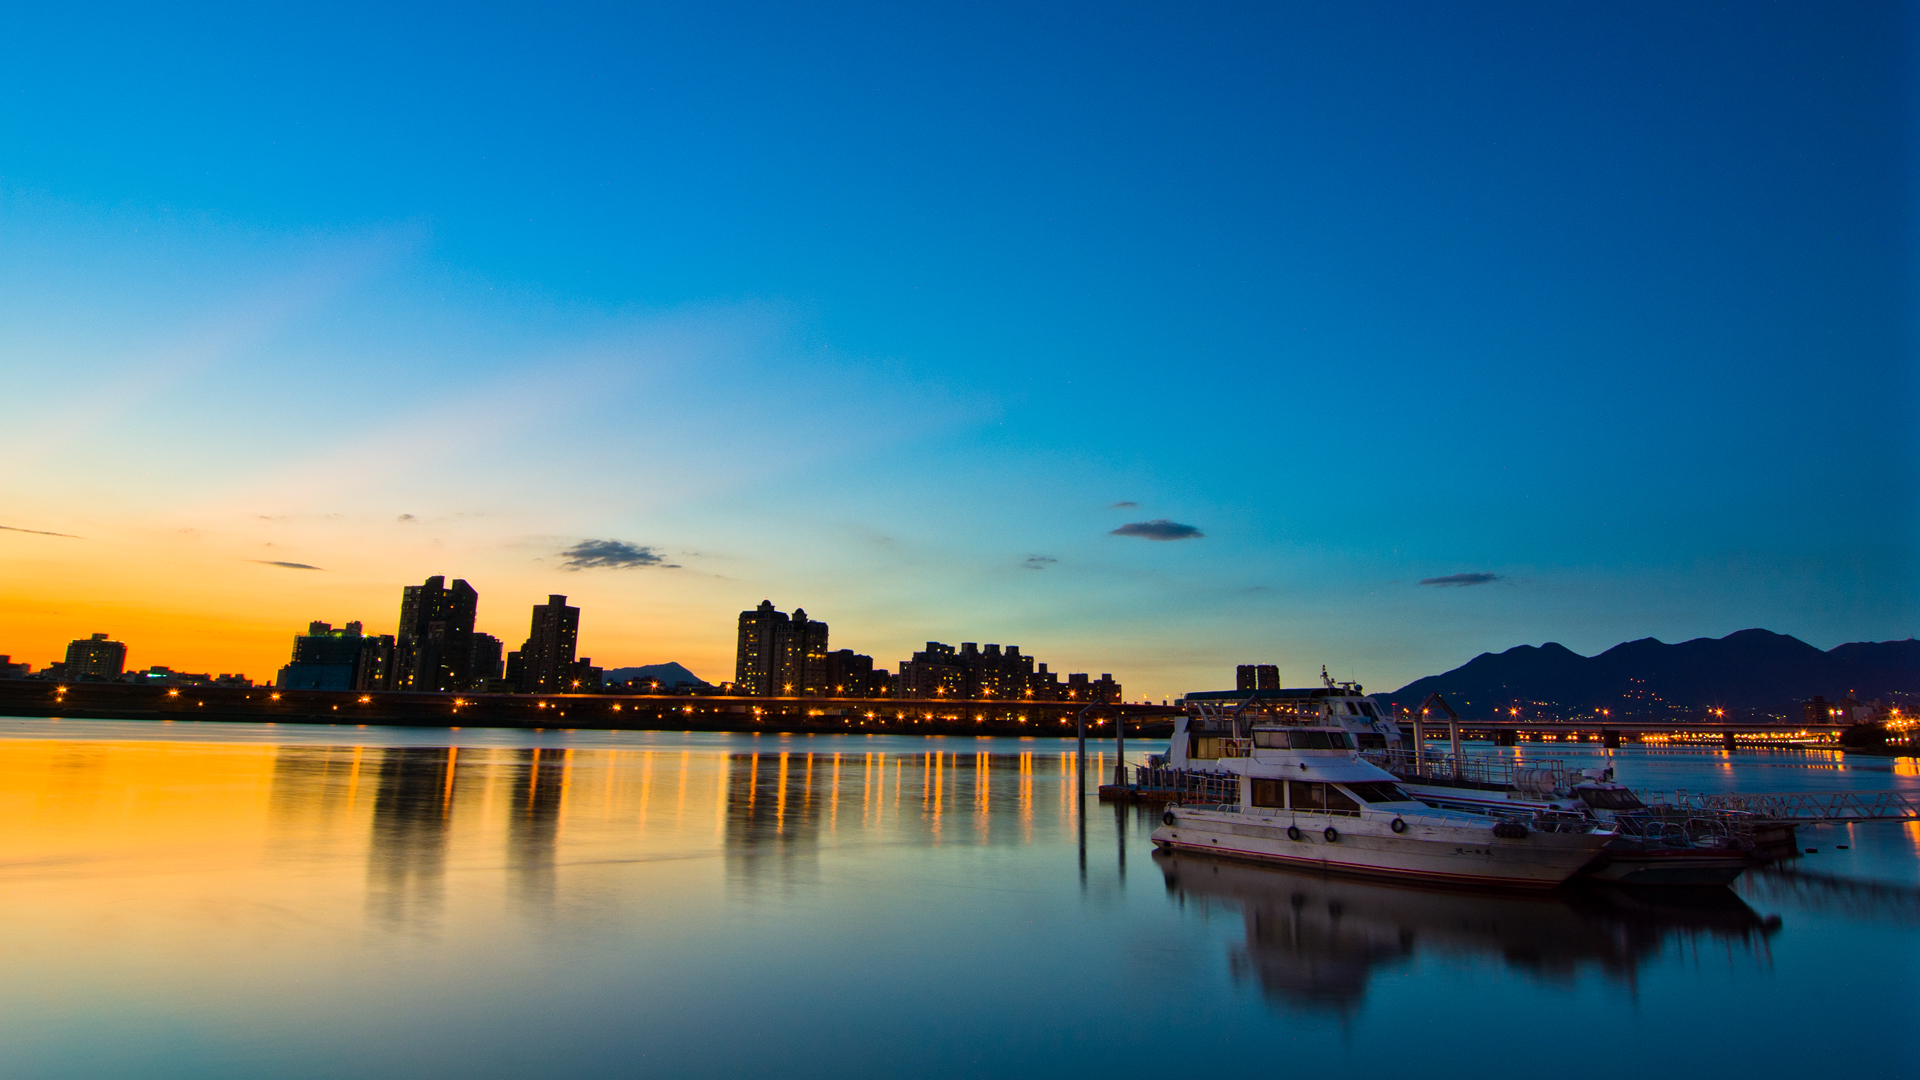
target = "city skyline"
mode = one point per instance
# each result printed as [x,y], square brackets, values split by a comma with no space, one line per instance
[1156,340]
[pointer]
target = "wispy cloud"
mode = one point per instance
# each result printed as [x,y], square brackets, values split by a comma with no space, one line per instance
[614,554]
[37,532]
[1125,504]
[288,565]
[1040,562]
[1159,529]
[1480,578]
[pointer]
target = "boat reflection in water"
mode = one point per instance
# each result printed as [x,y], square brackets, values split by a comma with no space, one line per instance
[1315,942]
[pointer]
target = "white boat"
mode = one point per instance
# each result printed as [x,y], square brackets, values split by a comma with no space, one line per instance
[1305,798]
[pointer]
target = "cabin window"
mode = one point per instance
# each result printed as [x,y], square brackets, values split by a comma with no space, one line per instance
[1340,800]
[1203,747]
[1307,794]
[1366,707]
[1352,709]
[1269,793]
[1320,740]
[1269,740]
[1608,798]
[1371,740]
[1380,791]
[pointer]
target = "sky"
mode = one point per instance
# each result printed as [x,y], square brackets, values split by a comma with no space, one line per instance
[1151,338]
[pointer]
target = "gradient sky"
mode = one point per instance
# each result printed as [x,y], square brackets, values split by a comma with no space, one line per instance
[886,311]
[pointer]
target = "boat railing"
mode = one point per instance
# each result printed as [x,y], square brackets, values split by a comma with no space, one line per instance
[1443,767]
[1188,786]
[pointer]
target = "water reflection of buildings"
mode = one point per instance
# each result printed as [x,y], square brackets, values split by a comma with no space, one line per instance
[412,808]
[537,784]
[1315,942]
[773,813]
[780,804]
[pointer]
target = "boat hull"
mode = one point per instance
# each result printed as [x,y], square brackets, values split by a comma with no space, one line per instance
[1458,855]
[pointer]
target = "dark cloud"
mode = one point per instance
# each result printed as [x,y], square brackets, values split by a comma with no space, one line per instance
[1123,505]
[615,554]
[288,565]
[38,532]
[1461,579]
[1040,562]
[1159,529]
[405,517]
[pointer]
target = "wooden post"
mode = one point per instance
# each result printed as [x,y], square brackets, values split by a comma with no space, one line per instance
[1120,748]
[1453,737]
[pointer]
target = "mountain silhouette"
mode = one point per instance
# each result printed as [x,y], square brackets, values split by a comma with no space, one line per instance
[670,675]
[1752,671]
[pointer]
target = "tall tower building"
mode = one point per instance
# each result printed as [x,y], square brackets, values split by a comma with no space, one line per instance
[434,647]
[545,660]
[760,651]
[803,668]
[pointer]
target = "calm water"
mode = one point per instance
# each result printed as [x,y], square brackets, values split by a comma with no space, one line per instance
[217,900]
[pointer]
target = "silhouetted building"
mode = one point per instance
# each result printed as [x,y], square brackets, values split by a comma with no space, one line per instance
[581,677]
[376,663]
[1103,689]
[779,656]
[434,646]
[803,667]
[485,662]
[94,659]
[975,672]
[11,670]
[933,672]
[758,650]
[544,665]
[851,674]
[324,659]
[1256,677]
[161,675]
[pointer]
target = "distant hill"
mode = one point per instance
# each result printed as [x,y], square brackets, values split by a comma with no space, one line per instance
[669,674]
[1750,671]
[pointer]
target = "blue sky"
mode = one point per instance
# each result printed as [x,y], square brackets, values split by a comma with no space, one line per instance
[873,311]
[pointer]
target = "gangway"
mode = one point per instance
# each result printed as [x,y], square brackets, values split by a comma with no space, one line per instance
[1802,806]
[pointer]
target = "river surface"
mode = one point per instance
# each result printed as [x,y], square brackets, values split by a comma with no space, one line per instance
[222,900]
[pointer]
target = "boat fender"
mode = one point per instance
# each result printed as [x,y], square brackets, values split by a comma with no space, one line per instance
[1293,832]
[1167,817]
[1510,830]
[1399,825]
[1332,835]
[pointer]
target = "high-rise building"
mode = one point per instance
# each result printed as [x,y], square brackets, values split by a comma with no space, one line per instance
[376,663]
[803,665]
[95,659]
[434,645]
[759,650]
[544,664]
[483,666]
[777,656]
